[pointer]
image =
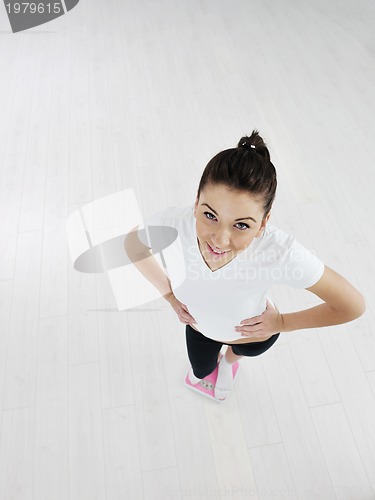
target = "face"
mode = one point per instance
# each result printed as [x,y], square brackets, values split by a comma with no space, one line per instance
[227,221]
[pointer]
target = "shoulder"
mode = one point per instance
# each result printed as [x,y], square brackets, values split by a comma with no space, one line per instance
[275,239]
[299,265]
[276,235]
[285,247]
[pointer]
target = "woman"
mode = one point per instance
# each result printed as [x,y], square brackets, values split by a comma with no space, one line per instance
[232,256]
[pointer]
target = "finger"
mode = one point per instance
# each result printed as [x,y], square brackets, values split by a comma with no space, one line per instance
[182,314]
[270,305]
[190,316]
[251,329]
[186,317]
[249,325]
[251,321]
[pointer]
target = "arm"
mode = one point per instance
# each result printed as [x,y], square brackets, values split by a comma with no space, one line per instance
[147,265]
[342,303]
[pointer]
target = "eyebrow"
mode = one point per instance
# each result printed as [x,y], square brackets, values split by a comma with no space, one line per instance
[241,218]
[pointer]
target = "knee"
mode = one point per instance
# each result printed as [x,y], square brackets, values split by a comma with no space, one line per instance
[234,350]
[255,348]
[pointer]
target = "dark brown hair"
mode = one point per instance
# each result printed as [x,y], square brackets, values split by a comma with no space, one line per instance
[246,168]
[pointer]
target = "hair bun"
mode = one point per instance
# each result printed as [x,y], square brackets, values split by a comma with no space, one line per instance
[247,145]
[255,142]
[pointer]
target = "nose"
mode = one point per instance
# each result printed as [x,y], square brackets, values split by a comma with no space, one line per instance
[221,240]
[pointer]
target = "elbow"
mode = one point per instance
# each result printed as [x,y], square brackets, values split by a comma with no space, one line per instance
[361,306]
[358,307]
[353,309]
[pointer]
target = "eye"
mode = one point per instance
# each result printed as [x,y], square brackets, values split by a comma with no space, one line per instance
[244,226]
[207,215]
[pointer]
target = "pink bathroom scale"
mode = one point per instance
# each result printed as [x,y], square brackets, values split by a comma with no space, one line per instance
[206,386]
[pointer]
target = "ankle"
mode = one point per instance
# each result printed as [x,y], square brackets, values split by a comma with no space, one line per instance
[225,361]
[231,357]
[193,379]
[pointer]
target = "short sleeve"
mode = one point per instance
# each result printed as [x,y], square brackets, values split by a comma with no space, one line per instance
[301,268]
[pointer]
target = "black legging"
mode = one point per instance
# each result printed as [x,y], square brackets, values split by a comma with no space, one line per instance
[203,352]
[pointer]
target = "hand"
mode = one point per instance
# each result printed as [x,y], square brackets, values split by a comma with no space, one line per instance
[262,327]
[181,309]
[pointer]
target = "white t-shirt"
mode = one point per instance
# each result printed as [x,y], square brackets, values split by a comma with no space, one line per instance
[219,300]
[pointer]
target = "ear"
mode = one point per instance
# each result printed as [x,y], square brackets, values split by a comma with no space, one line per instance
[263,225]
[195,205]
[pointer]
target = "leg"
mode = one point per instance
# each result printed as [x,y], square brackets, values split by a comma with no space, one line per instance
[230,356]
[202,351]
[234,353]
[224,382]
[254,348]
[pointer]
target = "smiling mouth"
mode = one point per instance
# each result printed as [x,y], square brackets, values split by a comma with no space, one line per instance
[212,251]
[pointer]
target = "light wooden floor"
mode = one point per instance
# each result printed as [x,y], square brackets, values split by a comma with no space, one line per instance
[141,94]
